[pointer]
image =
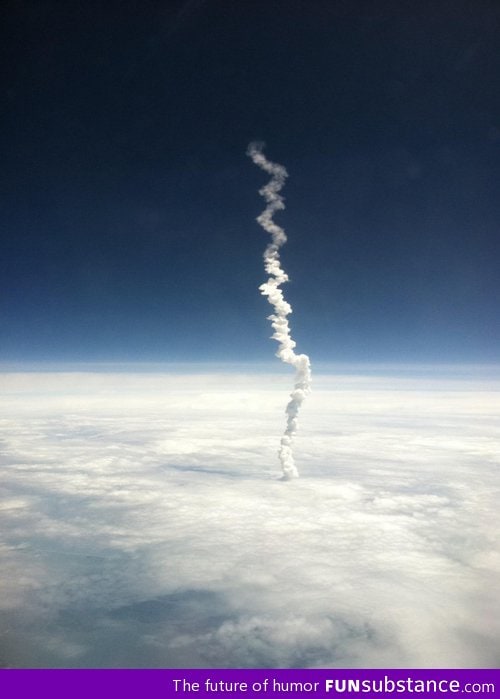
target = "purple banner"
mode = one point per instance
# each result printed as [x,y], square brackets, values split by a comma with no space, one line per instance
[246,683]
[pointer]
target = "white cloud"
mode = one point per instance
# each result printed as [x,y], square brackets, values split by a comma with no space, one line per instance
[144,523]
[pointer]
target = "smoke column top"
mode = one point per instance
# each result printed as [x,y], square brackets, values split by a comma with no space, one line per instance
[271,289]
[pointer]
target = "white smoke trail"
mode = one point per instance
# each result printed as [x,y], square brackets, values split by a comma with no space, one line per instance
[282,308]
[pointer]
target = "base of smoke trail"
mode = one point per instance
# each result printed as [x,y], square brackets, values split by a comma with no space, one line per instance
[286,459]
[298,395]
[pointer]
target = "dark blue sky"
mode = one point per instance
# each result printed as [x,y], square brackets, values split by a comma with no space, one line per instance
[128,204]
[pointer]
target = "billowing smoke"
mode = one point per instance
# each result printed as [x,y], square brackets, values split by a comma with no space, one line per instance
[282,308]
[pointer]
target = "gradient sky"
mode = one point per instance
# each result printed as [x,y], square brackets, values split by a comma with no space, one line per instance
[128,205]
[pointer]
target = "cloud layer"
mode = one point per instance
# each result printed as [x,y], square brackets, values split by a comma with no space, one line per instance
[144,524]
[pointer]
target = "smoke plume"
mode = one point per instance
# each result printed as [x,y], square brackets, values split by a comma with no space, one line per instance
[282,308]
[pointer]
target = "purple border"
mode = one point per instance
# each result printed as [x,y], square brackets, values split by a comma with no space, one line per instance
[252,683]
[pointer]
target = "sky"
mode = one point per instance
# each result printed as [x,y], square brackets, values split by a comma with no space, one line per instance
[128,204]
[144,524]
